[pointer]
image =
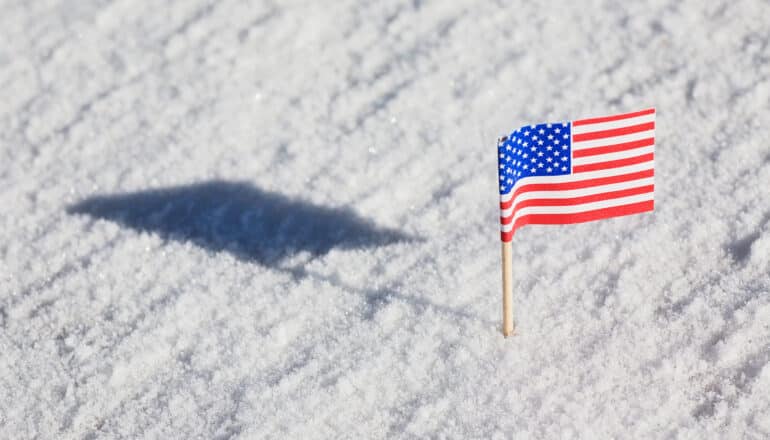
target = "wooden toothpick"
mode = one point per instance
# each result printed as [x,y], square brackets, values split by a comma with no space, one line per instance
[507,289]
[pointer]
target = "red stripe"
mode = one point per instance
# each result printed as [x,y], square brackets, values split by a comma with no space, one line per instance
[580,217]
[578,184]
[579,200]
[613,132]
[616,148]
[613,163]
[612,118]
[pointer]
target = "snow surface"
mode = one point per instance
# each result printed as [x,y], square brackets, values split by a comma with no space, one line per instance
[279,220]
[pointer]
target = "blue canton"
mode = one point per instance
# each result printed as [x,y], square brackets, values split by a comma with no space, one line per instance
[534,150]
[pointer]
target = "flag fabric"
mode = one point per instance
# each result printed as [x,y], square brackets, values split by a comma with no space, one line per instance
[577,171]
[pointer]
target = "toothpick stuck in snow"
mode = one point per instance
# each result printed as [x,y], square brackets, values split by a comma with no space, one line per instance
[507,289]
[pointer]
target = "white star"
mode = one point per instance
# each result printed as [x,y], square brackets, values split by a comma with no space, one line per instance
[558,130]
[533,160]
[526,133]
[541,131]
[534,137]
[539,154]
[502,166]
[507,158]
[525,155]
[563,124]
[533,149]
[565,136]
[564,168]
[502,178]
[508,147]
[502,155]
[549,169]
[525,144]
[502,188]
[525,166]
[564,158]
[540,142]
[555,153]
[550,136]
[518,141]
[549,159]
[556,142]
[549,148]
[532,170]
[563,147]
[540,165]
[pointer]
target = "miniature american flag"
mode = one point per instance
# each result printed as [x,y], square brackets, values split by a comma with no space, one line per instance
[578,171]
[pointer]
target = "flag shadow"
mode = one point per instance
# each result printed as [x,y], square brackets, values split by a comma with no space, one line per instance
[239,218]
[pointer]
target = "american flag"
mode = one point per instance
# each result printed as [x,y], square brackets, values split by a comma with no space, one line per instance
[578,171]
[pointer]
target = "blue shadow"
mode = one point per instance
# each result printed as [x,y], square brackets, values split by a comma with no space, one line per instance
[239,218]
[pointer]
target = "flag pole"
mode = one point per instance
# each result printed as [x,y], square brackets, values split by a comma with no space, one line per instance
[507,289]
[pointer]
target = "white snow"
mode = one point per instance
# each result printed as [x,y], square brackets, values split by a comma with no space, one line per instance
[322,258]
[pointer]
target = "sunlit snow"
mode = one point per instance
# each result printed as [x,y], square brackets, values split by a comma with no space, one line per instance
[279,220]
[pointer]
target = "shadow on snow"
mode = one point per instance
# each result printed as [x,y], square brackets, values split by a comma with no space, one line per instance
[239,218]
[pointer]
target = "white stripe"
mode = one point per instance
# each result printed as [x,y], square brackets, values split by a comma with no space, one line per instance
[600,126]
[568,194]
[582,145]
[613,156]
[575,209]
[576,177]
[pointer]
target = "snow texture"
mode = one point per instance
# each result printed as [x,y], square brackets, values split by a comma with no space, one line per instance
[279,220]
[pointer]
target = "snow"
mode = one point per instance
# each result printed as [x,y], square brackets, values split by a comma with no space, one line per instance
[278,219]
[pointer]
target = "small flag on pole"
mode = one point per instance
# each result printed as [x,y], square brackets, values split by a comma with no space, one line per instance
[573,172]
